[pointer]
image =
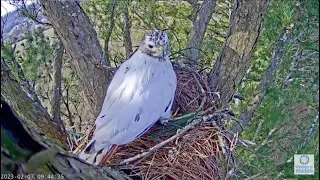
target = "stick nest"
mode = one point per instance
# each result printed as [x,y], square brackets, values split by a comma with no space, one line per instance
[191,156]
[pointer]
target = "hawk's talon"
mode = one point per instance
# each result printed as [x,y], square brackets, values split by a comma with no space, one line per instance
[164,121]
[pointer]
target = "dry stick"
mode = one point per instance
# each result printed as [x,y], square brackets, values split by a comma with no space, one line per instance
[70,142]
[86,137]
[204,99]
[230,155]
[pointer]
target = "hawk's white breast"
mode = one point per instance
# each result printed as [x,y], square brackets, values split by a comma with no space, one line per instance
[140,93]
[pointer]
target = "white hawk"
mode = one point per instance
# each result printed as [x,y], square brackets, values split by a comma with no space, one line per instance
[140,93]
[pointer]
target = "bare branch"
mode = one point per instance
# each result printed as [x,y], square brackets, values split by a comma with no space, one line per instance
[199,27]
[66,103]
[265,141]
[24,83]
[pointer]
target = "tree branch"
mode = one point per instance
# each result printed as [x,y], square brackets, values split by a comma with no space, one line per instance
[66,103]
[199,27]
[156,147]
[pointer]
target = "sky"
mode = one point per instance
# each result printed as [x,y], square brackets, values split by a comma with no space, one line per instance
[6,7]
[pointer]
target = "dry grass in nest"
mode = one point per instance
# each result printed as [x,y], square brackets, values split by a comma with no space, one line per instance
[192,156]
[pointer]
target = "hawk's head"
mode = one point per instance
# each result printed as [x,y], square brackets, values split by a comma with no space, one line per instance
[155,44]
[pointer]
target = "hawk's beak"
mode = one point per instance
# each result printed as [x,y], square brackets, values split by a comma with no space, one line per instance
[160,48]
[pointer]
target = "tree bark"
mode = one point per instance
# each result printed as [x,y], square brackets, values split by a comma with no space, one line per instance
[126,30]
[23,153]
[265,82]
[57,78]
[199,28]
[195,9]
[33,116]
[235,56]
[80,41]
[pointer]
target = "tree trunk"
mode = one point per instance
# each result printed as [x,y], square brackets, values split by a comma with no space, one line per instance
[199,28]
[265,82]
[235,56]
[195,9]
[23,153]
[57,78]
[33,116]
[80,41]
[126,30]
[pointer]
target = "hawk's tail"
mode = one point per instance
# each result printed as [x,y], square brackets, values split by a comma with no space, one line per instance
[97,157]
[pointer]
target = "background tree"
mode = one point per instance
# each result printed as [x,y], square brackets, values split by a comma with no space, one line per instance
[281,108]
[80,40]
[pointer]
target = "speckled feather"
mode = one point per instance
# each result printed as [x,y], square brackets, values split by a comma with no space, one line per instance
[140,93]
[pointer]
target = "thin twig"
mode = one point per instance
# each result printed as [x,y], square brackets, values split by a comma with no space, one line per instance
[204,99]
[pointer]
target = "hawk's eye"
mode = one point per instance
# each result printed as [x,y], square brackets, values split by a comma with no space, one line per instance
[150,46]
